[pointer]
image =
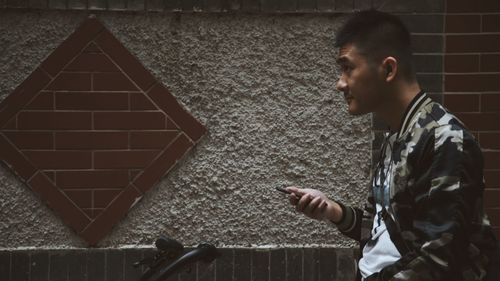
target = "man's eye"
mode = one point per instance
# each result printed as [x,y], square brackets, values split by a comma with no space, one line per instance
[346,68]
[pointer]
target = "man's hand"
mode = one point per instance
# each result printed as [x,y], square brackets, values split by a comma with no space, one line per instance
[314,204]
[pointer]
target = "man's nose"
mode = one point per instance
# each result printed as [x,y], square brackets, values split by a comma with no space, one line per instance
[341,84]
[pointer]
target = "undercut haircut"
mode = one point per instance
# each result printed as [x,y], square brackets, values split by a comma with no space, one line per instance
[377,35]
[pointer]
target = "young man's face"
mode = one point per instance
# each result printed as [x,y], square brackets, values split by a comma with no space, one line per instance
[360,81]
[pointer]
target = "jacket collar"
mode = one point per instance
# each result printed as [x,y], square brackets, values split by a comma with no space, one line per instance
[418,101]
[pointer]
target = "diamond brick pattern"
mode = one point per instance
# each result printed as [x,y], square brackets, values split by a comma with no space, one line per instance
[91,130]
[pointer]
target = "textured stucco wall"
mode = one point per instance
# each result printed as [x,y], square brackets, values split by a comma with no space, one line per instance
[263,85]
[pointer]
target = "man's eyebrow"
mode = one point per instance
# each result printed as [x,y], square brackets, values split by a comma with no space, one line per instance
[342,60]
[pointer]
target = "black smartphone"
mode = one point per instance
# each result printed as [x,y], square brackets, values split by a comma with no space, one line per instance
[282,189]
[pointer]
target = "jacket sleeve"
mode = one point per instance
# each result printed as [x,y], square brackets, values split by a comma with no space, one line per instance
[357,223]
[445,201]
[350,223]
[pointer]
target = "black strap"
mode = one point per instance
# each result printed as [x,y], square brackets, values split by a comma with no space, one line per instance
[395,233]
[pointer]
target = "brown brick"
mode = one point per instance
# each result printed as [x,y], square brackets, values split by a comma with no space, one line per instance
[428,63]
[89,213]
[422,23]
[472,82]
[494,215]
[240,268]
[120,55]
[59,159]
[156,5]
[92,49]
[97,4]
[91,101]
[133,174]
[162,97]
[323,5]
[56,200]
[462,102]
[51,175]
[492,178]
[491,23]
[91,62]
[490,140]
[491,159]
[112,82]
[171,125]
[72,46]
[58,4]
[123,159]
[163,163]
[102,198]
[22,94]
[138,101]
[31,140]
[463,6]
[424,43]
[472,43]
[463,24]
[12,124]
[81,198]
[10,155]
[43,101]
[461,63]
[153,139]
[117,5]
[481,121]
[491,198]
[96,212]
[91,140]
[129,120]
[136,5]
[490,62]
[67,81]
[32,120]
[92,179]
[37,4]
[103,224]
[496,231]
[432,82]
[490,102]
[489,6]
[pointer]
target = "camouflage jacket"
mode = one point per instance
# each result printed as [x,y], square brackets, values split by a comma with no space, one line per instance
[436,218]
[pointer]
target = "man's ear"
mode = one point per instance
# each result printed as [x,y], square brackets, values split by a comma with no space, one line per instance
[390,65]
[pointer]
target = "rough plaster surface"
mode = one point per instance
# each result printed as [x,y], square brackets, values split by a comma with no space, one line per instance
[263,85]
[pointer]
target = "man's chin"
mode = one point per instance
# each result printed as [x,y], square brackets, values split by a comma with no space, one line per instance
[356,111]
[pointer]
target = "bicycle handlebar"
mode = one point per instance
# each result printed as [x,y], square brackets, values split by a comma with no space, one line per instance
[204,252]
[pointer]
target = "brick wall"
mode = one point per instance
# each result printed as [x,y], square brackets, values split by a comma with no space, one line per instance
[293,264]
[471,83]
[91,130]
[247,6]
[457,55]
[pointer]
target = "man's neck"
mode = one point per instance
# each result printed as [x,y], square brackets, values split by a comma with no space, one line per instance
[392,111]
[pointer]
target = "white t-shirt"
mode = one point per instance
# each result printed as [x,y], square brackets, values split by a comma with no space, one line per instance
[380,251]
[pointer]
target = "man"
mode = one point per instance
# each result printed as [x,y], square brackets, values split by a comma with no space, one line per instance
[424,218]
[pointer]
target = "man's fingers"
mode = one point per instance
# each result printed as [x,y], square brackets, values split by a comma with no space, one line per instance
[295,190]
[303,202]
[293,199]
[320,209]
[312,206]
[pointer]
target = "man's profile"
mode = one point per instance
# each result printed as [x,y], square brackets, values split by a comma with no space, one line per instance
[424,218]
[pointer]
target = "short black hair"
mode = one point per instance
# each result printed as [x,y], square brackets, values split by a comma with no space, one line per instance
[378,35]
